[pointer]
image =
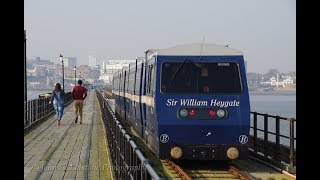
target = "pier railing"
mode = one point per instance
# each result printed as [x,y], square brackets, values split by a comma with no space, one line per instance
[37,109]
[273,139]
[128,161]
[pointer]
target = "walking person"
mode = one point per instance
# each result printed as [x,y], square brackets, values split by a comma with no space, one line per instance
[57,99]
[79,93]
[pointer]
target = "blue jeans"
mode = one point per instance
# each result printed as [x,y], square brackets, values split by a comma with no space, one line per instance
[59,111]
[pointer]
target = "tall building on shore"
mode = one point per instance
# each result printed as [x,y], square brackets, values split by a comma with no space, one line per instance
[111,66]
[92,61]
[70,62]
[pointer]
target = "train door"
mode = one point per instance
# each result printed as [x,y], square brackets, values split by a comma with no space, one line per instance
[150,123]
[120,92]
[114,90]
[130,99]
[124,96]
[134,113]
[140,91]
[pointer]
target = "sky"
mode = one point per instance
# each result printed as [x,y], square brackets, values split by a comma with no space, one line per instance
[264,30]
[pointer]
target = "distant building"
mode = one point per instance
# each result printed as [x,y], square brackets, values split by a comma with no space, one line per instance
[37,71]
[31,72]
[109,67]
[70,62]
[92,61]
[112,68]
[39,63]
[95,73]
[288,80]
[274,81]
[84,71]
[121,61]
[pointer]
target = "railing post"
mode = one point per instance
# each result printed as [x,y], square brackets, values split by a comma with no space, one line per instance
[136,163]
[122,163]
[25,114]
[141,172]
[27,109]
[41,105]
[37,105]
[29,113]
[291,142]
[266,135]
[255,132]
[277,138]
[39,108]
[45,106]
[34,111]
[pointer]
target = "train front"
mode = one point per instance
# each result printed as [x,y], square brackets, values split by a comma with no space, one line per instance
[202,108]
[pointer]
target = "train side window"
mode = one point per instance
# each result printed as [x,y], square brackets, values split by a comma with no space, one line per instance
[149,82]
[153,79]
[138,82]
[120,85]
[135,80]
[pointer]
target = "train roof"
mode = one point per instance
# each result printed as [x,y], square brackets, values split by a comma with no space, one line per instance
[195,49]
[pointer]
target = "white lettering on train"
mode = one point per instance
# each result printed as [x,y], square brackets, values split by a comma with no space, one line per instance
[196,102]
[171,102]
[193,102]
[224,103]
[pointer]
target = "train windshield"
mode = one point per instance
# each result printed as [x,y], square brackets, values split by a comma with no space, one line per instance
[191,77]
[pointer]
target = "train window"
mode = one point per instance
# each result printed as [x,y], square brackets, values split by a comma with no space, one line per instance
[131,82]
[152,81]
[137,85]
[135,80]
[120,80]
[190,77]
[149,80]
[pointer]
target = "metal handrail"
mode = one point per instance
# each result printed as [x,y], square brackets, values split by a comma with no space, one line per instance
[40,108]
[274,149]
[128,160]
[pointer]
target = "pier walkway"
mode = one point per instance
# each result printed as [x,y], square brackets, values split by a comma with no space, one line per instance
[69,151]
[101,148]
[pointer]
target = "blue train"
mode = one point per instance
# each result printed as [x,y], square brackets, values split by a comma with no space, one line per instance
[187,102]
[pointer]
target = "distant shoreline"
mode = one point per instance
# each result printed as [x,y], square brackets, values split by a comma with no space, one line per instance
[273,92]
[44,89]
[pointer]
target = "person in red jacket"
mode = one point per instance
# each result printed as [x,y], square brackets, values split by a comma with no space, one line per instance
[79,93]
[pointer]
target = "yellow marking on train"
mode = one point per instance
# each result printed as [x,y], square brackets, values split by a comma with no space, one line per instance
[144,99]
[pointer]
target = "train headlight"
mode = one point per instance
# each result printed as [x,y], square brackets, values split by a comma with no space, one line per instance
[221,113]
[176,152]
[183,112]
[233,153]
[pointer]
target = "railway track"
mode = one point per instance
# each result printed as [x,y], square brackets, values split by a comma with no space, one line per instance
[203,170]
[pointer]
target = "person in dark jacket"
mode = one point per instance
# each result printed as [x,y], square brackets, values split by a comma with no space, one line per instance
[79,93]
[57,98]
